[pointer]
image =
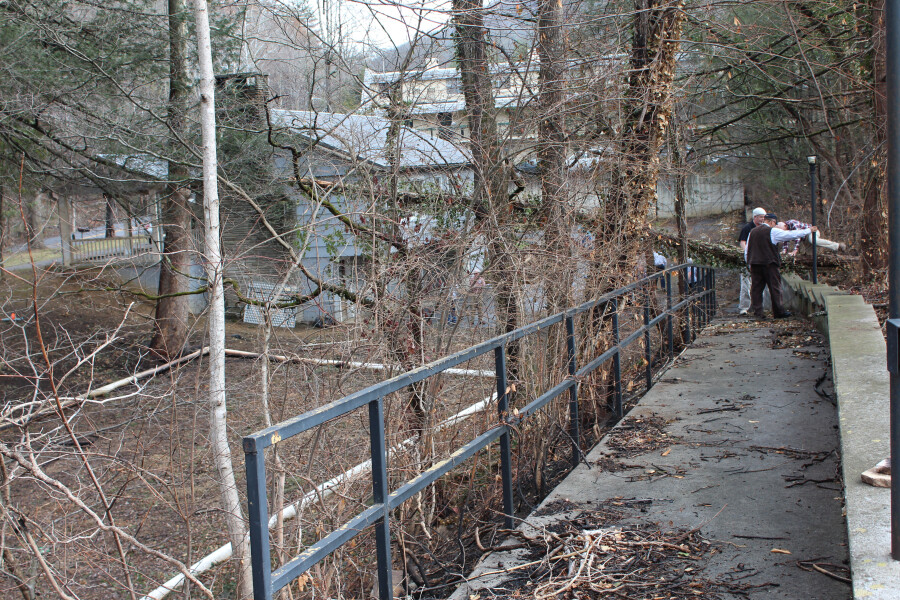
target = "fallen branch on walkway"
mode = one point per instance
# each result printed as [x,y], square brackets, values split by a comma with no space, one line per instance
[603,559]
[731,257]
[808,565]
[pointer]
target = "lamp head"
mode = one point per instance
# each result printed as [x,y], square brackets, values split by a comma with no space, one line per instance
[811,159]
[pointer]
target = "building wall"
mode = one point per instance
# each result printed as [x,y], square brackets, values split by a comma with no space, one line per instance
[707,195]
[711,193]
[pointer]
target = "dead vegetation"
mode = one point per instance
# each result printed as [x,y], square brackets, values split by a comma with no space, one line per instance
[147,444]
[596,553]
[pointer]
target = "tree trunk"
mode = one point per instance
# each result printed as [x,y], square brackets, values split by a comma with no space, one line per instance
[489,198]
[172,310]
[474,72]
[237,531]
[680,223]
[34,212]
[110,218]
[648,106]
[622,242]
[65,228]
[552,154]
[873,238]
[2,224]
[680,193]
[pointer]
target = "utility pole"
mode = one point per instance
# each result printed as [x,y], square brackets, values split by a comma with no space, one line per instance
[812,203]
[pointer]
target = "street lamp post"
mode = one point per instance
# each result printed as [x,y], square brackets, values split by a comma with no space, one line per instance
[812,194]
[892,41]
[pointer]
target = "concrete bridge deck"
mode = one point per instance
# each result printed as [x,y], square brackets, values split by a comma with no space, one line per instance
[738,442]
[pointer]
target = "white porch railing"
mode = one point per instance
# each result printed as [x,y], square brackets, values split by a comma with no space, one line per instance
[107,248]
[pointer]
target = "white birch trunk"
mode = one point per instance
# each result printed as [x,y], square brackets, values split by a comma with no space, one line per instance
[237,531]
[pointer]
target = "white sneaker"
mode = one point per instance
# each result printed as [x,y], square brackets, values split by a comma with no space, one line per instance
[744,312]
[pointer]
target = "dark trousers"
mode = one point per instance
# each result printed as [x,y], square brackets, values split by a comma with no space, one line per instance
[760,277]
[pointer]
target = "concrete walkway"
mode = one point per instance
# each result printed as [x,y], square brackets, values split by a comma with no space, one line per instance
[745,452]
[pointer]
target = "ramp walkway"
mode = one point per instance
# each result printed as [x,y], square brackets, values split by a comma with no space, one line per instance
[737,448]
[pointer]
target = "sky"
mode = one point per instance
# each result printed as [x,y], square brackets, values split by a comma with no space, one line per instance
[383,23]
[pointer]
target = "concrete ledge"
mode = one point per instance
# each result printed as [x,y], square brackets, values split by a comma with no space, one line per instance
[861,383]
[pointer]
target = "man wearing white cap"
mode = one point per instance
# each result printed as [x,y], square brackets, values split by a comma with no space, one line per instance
[764,258]
[759,214]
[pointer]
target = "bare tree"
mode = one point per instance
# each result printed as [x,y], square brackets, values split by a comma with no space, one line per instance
[172,312]
[553,150]
[237,530]
[356,217]
[656,33]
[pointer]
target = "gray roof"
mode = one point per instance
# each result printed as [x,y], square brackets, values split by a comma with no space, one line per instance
[151,166]
[435,73]
[364,137]
[451,106]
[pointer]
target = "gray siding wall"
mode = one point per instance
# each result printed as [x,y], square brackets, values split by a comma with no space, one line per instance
[707,195]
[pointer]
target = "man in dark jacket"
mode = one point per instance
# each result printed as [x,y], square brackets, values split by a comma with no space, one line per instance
[763,256]
[759,214]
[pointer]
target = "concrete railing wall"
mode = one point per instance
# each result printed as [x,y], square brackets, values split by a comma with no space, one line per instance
[861,384]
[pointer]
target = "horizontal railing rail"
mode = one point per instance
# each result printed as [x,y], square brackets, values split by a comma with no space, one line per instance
[699,307]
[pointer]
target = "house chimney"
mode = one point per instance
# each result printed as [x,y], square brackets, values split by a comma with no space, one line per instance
[243,98]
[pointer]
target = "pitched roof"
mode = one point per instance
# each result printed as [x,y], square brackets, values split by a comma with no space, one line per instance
[364,137]
[147,164]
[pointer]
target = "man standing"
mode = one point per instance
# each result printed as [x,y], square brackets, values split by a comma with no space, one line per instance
[744,300]
[765,262]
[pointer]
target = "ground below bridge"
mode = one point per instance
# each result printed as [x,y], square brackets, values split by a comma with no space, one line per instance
[723,482]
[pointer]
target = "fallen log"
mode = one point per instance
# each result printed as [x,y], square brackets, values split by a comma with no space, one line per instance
[729,256]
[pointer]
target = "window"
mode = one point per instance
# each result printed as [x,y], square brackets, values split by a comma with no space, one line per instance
[501,81]
[445,124]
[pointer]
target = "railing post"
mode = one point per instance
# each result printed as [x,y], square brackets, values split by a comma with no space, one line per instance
[505,451]
[715,301]
[617,360]
[701,301]
[648,354]
[130,236]
[258,512]
[698,288]
[704,306]
[669,335]
[689,309]
[574,424]
[65,228]
[380,495]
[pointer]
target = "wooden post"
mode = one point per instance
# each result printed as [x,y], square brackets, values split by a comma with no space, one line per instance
[65,228]
[129,223]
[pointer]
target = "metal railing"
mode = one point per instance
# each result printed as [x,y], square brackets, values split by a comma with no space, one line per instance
[699,307]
